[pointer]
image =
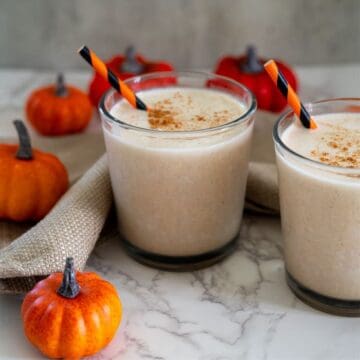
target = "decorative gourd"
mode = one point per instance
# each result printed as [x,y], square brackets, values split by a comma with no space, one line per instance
[71,315]
[59,109]
[125,66]
[31,181]
[248,70]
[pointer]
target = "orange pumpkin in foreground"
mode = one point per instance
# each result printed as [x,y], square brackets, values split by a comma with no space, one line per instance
[31,181]
[71,315]
[59,109]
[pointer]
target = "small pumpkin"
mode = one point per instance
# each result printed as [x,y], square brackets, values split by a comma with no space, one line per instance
[71,315]
[59,109]
[31,181]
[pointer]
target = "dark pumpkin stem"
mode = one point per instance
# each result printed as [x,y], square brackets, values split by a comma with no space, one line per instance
[252,64]
[69,287]
[60,89]
[25,151]
[131,63]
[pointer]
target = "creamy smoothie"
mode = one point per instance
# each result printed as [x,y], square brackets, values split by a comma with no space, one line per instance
[179,178]
[320,204]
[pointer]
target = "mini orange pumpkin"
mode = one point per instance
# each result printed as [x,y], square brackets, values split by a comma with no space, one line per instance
[59,109]
[31,181]
[71,315]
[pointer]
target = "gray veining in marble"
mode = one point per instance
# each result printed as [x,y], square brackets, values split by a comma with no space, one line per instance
[189,33]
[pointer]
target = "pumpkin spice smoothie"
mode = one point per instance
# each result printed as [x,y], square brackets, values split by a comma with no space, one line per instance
[319,180]
[179,170]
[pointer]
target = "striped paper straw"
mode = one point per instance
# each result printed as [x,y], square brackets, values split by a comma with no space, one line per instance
[113,80]
[293,100]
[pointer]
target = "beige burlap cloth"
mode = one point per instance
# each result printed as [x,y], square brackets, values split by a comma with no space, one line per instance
[28,251]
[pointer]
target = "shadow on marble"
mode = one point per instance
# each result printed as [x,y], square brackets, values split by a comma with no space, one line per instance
[251,278]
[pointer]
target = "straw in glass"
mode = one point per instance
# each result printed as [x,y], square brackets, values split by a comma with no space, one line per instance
[113,80]
[293,100]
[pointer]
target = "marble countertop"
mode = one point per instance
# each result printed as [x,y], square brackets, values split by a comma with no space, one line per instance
[238,309]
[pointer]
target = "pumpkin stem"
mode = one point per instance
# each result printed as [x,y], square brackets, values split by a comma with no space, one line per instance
[60,89]
[25,151]
[69,287]
[252,64]
[131,64]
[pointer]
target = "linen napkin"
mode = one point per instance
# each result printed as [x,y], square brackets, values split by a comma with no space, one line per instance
[262,188]
[72,228]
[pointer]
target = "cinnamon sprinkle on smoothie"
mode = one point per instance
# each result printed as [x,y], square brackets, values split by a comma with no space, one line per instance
[342,148]
[336,142]
[182,111]
[162,118]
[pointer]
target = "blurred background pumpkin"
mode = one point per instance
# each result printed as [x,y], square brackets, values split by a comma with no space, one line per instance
[58,109]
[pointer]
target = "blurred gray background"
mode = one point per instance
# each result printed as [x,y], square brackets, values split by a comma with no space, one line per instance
[189,33]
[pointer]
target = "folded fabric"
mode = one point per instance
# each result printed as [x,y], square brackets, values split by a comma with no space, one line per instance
[70,229]
[262,189]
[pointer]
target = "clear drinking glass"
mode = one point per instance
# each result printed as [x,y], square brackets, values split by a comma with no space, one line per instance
[320,216]
[179,195]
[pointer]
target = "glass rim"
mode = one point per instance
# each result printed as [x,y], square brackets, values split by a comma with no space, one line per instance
[278,141]
[250,110]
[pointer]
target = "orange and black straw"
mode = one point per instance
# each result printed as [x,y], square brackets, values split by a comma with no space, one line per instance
[293,100]
[113,80]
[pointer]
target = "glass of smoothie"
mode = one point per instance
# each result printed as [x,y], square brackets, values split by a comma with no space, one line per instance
[319,184]
[179,171]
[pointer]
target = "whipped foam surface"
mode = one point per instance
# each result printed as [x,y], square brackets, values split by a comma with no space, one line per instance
[181,109]
[335,142]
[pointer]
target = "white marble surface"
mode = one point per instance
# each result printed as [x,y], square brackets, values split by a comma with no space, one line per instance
[238,309]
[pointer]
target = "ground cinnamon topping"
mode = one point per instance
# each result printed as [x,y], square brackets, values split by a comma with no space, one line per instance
[162,118]
[168,114]
[200,118]
[341,149]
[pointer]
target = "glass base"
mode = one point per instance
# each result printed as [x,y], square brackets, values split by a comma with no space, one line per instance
[323,303]
[180,263]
